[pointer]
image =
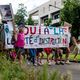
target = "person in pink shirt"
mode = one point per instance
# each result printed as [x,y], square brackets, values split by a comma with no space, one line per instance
[20,44]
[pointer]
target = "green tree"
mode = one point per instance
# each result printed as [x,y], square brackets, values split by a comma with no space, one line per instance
[30,21]
[21,14]
[47,22]
[71,14]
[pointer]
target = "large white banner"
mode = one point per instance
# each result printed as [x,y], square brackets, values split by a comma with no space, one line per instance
[8,29]
[42,37]
[44,41]
[30,30]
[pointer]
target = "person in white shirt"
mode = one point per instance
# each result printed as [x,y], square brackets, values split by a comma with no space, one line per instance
[68,48]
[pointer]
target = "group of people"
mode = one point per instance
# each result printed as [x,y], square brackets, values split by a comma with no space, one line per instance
[35,55]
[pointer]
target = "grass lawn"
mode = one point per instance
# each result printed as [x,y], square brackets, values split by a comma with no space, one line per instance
[71,57]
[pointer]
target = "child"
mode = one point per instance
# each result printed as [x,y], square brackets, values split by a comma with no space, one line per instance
[39,50]
[13,55]
[20,44]
[68,48]
[48,52]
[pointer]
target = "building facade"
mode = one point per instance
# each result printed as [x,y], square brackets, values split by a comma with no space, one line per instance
[50,9]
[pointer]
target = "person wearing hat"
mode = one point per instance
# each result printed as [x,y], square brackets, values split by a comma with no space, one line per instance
[20,42]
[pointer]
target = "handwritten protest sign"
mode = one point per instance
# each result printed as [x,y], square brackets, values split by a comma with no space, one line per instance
[43,41]
[30,30]
[8,29]
[42,37]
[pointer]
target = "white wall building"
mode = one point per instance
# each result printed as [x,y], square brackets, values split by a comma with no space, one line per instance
[48,10]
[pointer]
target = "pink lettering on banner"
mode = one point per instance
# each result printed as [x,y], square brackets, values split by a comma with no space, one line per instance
[27,31]
[65,29]
[32,31]
[64,41]
[51,40]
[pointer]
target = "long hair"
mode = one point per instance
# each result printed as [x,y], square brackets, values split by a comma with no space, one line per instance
[21,30]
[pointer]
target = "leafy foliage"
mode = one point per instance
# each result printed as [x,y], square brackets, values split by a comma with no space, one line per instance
[30,21]
[14,71]
[71,14]
[48,22]
[21,14]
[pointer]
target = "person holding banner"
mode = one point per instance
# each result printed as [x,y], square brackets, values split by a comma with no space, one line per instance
[58,56]
[39,50]
[68,48]
[48,52]
[32,54]
[20,44]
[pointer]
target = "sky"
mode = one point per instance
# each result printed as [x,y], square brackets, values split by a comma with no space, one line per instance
[30,4]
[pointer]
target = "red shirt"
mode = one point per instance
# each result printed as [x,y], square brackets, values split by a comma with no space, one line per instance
[48,50]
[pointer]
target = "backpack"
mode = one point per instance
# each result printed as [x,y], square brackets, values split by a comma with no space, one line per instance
[13,55]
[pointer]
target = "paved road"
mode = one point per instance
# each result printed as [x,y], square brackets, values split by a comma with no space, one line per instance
[74,68]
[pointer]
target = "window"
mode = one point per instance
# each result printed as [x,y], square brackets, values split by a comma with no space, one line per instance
[56,16]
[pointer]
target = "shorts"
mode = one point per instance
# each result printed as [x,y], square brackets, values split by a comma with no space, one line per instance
[48,51]
[39,50]
[20,50]
[58,54]
[64,50]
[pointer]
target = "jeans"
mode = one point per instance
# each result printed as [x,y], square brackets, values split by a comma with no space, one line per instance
[32,54]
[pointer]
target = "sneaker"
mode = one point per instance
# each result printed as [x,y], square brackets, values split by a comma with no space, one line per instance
[28,62]
[57,63]
[49,63]
[39,63]
[67,62]
[75,60]
[62,63]
[35,64]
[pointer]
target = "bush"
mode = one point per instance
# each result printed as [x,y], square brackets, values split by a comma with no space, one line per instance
[14,71]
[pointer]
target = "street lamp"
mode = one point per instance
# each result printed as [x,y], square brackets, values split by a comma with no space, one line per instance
[54,6]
